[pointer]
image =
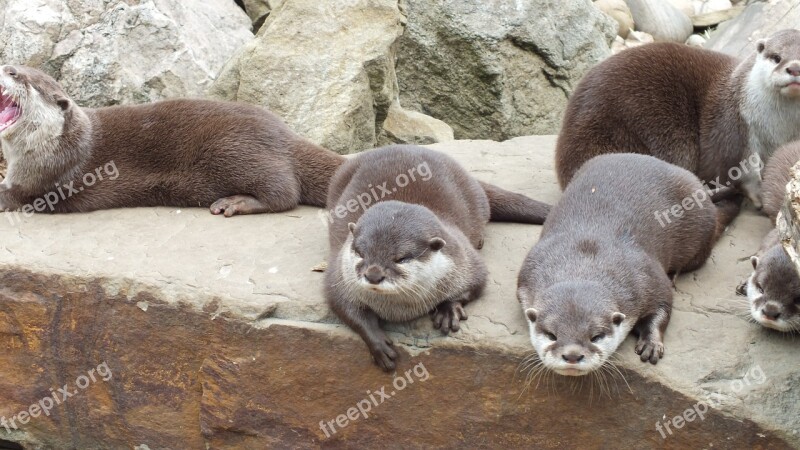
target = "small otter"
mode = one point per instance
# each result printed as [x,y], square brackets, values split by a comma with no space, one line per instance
[235,158]
[773,289]
[399,256]
[600,268]
[698,109]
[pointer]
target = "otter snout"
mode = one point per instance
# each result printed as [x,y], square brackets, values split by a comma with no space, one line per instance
[374,274]
[793,69]
[573,357]
[771,311]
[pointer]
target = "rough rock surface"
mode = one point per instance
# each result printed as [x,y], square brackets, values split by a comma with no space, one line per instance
[760,19]
[217,336]
[258,10]
[333,82]
[661,20]
[110,52]
[493,78]
[788,221]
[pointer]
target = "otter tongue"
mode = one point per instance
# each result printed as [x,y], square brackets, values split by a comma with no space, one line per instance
[8,114]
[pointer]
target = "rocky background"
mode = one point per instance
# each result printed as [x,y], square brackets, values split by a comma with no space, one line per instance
[355,74]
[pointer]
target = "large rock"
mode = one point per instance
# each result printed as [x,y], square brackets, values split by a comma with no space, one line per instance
[498,69]
[619,11]
[661,20]
[109,52]
[738,37]
[333,82]
[788,221]
[216,335]
[258,10]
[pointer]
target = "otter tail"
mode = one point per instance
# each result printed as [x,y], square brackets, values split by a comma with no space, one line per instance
[507,206]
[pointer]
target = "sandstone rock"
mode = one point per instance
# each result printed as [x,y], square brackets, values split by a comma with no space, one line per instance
[684,6]
[498,69]
[258,10]
[619,11]
[760,19]
[123,52]
[333,82]
[661,20]
[696,40]
[237,349]
[409,127]
[709,6]
[788,221]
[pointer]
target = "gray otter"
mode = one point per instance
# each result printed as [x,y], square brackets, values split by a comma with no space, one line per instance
[235,158]
[600,268]
[773,289]
[698,109]
[399,256]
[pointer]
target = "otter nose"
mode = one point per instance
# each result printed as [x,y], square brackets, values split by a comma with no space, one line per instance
[374,275]
[572,358]
[793,70]
[771,313]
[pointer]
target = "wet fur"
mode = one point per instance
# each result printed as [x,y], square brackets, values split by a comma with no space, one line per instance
[603,251]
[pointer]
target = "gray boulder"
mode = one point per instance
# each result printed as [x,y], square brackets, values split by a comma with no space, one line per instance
[760,19]
[498,69]
[661,20]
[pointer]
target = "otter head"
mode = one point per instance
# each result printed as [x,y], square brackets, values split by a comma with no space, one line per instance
[31,103]
[397,248]
[574,326]
[773,291]
[778,63]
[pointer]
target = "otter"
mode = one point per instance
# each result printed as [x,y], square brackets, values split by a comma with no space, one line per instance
[773,289]
[230,157]
[699,109]
[602,264]
[412,249]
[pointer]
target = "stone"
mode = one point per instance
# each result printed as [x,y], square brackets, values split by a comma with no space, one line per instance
[709,6]
[333,82]
[498,69]
[661,20]
[619,11]
[738,37]
[238,350]
[788,221]
[684,6]
[696,40]
[716,17]
[106,53]
[635,39]
[409,127]
[258,10]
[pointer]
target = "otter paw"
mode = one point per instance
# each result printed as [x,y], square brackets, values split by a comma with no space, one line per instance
[384,354]
[741,289]
[649,350]
[448,316]
[230,206]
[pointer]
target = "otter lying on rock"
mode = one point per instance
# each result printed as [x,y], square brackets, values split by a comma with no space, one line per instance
[406,223]
[600,268]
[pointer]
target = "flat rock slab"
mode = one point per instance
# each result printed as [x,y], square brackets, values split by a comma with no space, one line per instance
[173,328]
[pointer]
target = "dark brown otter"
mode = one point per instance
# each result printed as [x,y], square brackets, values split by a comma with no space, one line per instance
[600,268]
[405,225]
[231,157]
[698,109]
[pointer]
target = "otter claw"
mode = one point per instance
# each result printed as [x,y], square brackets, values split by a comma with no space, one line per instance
[384,355]
[448,316]
[649,350]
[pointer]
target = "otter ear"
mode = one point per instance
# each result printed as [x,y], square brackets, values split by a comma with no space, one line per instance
[754,261]
[352,227]
[761,45]
[617,318]
[62,102]
[436,244]
[531,313]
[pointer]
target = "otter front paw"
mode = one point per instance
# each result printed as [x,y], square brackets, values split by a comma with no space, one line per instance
[383,353]
[448,315]
[741,289]
[649,350]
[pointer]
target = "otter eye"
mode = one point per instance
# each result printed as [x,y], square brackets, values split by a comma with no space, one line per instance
[759,288]
[598,337]
[775,58]
[404,259]
[550,336]
[357,252]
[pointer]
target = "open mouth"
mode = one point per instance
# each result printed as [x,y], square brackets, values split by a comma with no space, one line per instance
[9,110]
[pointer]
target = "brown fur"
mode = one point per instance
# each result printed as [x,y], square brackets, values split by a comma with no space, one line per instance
[175,153]
[684,105]
[450,205]
[776,176]
[603,250]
